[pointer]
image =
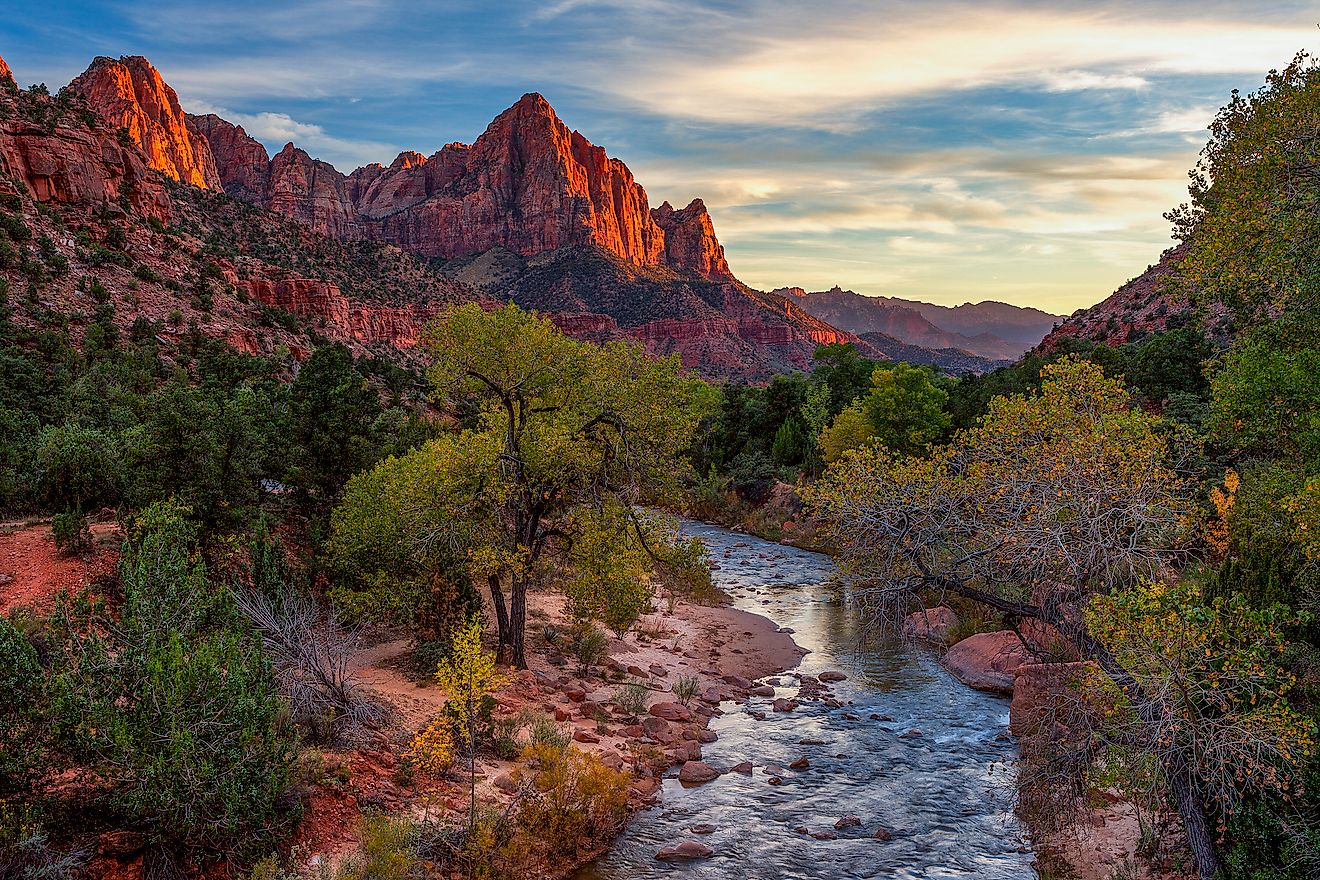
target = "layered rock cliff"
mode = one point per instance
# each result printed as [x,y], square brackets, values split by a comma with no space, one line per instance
[527,184]
[57,155]
[530,211]
[129,93]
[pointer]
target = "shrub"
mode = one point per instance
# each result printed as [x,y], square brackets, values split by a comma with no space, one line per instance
[630,699]
[23,722]
[592,647]
[176,701]
[544,733]
[574,802]
[685,688]
[388,850]
[73,536]
[432,748]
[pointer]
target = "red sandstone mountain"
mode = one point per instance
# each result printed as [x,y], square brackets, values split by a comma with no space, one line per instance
[130,94]
[527,184]
[530,212]
[6,75]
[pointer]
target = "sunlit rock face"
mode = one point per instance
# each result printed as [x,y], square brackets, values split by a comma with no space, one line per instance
[129,93]
[528,184]
[530,211]
[78,163]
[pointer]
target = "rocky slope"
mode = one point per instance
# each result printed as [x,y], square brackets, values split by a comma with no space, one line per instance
[952,360]
[1143,305]
[88,226]
[721,327]
[530,211]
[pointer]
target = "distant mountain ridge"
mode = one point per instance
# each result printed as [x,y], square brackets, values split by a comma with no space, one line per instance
[993,331]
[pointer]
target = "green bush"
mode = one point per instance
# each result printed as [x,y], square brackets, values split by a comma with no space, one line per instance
[176,702]
[23,722]
[73,536]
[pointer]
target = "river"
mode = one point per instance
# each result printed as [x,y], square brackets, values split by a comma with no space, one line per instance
[946,795]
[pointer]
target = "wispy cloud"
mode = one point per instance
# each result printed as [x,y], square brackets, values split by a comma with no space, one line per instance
[277,129]
[947,150]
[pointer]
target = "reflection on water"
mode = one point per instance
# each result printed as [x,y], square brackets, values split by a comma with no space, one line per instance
[946,795]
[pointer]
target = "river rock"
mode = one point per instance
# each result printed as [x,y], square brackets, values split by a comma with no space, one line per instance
[686,851]
[670,712]
[744,767]
[934,625]
[883,833]
[848,821]
[585,736]
[657,729]
[784,705]
[773,770]
[738,681]
[707,736]
[697,773]
[800,764]
[832,676]
[824,835]
[763,690]
[703,828]
[987,661]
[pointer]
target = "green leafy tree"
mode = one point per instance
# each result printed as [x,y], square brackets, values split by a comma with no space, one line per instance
[562,427]
[790,446]
[1252,232]
[905,408]
[331,412]
[851,429]
[76,467]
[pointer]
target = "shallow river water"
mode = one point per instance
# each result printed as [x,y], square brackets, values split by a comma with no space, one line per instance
[946,795]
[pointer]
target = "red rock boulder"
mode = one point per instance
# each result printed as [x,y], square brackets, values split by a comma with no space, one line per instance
[987,661]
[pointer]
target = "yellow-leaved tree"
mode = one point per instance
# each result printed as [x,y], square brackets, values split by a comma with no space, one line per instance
[1053,501]
[469,677]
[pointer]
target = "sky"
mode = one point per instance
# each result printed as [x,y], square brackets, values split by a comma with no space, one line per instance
[940,151]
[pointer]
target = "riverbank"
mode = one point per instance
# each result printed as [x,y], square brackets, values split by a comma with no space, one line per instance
[721,648]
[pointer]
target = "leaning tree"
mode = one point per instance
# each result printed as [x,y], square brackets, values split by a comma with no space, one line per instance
[1051,504]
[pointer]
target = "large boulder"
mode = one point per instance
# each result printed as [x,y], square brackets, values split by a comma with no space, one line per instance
[935,625]
[670,712]
[987,661]
[697,773]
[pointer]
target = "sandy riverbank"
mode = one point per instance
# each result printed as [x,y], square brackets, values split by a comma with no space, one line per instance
[723,648]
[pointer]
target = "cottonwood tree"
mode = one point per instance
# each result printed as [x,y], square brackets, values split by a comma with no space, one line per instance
[1052,500]
[563,431]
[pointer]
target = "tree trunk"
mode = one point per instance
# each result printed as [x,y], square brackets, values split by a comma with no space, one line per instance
[1192,810]
[518,621]
[1180,774]
[501,616]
